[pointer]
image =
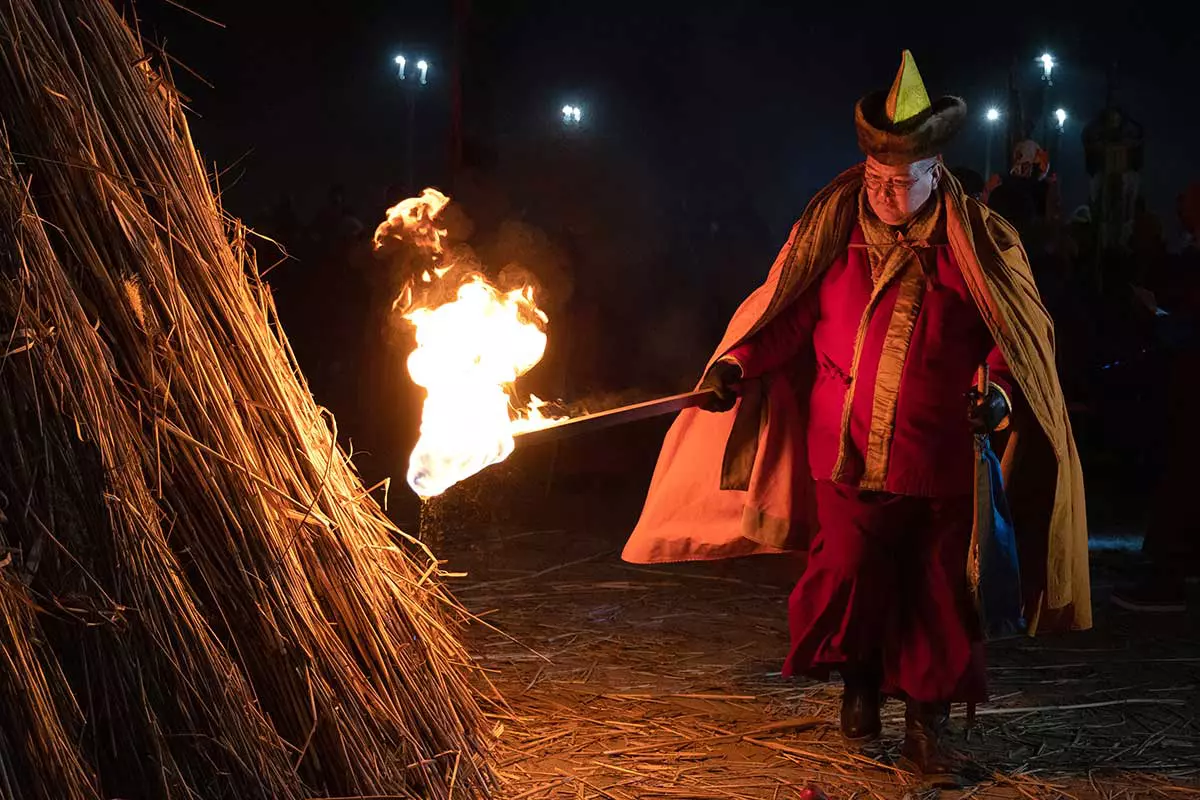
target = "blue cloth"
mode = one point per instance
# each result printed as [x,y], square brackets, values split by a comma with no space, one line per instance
[998,594]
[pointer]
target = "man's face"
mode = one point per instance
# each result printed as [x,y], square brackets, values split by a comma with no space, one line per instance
[897,193]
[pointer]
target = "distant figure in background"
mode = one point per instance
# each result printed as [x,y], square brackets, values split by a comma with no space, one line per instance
[1114,151]
[1031,169]
[1028,198]
[1021,197]
[1172,543]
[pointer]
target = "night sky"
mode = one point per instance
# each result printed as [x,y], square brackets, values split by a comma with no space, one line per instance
[723,105]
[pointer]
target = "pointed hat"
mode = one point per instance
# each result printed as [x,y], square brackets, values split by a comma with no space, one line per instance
[902,126]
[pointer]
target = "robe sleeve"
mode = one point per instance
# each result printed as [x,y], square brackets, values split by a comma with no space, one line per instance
[779,341]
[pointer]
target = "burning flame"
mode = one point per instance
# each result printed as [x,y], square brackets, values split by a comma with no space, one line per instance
[413,220]
[470,351]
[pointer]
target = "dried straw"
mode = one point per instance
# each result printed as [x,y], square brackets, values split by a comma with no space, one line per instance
[198,599]
[663,682]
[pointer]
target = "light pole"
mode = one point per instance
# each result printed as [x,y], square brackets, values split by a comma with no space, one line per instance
[413,83]
[1048,65]
[991,117]
[1060,119]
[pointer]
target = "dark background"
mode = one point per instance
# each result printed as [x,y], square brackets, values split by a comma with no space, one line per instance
[719,103]
[707,126]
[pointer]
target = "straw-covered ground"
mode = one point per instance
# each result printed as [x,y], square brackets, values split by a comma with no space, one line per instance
[631,682]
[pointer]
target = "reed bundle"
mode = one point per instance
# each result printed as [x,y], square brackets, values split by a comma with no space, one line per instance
[198,597]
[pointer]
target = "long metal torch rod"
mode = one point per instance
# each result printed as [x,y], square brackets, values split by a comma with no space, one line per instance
[616,416]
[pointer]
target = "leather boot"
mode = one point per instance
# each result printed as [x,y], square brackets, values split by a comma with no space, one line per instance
[860,703]
[923,751]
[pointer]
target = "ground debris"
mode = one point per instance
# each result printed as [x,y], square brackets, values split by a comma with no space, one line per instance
[664,683]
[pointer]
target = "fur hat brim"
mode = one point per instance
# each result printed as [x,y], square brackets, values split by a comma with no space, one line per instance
[923,136]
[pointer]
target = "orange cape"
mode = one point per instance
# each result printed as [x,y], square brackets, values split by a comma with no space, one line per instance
[739,484]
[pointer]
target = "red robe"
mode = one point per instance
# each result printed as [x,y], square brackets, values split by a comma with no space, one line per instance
[931,452]
[886,578]
[736,484]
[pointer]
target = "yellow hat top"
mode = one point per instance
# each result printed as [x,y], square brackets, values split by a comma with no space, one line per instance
[908,97]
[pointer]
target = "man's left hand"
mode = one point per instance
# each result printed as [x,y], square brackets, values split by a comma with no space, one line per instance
[987,413]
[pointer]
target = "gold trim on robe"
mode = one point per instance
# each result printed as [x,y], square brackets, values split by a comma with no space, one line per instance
[887,379]
[890,254]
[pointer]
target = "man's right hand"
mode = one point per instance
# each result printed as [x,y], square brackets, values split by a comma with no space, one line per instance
[723,380]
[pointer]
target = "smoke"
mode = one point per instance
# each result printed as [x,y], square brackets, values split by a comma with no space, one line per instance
[638,333]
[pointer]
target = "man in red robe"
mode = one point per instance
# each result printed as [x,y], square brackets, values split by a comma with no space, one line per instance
[852,372]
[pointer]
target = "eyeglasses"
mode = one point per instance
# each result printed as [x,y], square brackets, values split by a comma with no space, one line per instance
[895,185]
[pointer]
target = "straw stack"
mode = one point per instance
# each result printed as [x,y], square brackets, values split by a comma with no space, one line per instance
[198,597]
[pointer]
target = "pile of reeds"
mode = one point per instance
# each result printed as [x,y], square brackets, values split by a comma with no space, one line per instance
[198,597]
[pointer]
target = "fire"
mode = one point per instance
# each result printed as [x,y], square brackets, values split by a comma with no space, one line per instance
[413,220]
[470,352]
